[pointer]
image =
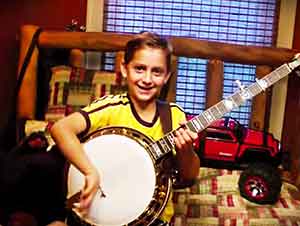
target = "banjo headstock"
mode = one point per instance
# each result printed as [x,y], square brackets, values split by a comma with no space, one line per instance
[295,63]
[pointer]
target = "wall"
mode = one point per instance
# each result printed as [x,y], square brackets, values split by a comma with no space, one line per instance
[291,132]
[54,14]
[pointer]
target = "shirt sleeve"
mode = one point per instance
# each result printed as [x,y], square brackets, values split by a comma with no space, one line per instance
[96,116]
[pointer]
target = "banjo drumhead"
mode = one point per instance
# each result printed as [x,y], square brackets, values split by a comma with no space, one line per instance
[127,179]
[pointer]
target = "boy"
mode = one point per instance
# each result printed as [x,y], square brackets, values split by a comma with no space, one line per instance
[146,67]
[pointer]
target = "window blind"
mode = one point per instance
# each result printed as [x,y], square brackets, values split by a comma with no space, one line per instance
[249,22]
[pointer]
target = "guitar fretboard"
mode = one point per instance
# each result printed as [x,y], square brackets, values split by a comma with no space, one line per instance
[202,121]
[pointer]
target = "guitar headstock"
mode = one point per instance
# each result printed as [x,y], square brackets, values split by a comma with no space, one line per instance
[297,56]
[295,63]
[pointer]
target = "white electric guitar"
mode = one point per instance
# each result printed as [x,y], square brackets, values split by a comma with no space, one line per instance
[134,188]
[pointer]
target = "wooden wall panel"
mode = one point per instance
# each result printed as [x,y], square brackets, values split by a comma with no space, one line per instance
[296,40]
[290,132]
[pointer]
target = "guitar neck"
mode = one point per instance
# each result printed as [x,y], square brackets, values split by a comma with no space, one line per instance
[166,144]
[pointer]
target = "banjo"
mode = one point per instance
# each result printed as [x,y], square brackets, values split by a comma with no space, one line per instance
[135,188]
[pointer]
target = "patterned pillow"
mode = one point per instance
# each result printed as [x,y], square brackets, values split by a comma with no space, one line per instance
[73,88]
[70,89]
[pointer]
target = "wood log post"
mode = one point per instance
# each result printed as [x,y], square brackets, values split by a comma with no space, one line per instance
[26,98]
[118,61]
[234,53]
[214,82]
[260,114]
[77,58]
[171,85]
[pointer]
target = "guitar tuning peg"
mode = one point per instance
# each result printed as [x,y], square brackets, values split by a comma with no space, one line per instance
[240,85]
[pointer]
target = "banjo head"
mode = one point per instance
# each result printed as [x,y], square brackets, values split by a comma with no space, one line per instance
[129,178]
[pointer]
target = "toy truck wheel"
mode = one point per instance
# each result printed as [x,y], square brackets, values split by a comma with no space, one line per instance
[260,183]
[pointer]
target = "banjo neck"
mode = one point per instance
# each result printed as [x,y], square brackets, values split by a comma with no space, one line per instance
[198,123]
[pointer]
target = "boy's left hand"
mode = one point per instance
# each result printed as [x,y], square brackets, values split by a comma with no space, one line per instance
[184,138]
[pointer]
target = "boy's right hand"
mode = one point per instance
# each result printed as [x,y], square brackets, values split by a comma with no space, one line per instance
[90,189]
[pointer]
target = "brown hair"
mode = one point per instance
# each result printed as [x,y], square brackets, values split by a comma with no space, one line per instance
[147,39]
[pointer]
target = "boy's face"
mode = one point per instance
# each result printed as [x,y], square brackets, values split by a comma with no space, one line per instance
[146,74]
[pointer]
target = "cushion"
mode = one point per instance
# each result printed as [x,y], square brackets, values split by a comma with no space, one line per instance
[215,200]
[72,88]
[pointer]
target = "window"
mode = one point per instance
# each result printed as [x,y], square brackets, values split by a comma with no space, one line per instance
[248,22]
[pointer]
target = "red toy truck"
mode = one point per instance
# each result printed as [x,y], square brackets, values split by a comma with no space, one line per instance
[228,144]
